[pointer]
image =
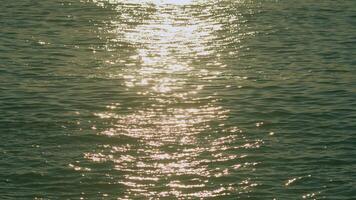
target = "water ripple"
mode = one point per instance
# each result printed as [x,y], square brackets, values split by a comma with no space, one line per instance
[177,99]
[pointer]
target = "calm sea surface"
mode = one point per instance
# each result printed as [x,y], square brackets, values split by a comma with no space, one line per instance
[178,99]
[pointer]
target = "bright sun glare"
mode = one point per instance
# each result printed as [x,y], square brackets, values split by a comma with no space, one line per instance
[176,2]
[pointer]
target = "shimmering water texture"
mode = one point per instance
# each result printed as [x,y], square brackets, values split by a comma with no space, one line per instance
[177,99]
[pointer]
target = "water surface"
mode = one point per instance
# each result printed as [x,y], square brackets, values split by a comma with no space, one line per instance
[168,99]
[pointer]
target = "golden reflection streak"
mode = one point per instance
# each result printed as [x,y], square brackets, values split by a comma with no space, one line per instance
[155,2]
[163,69]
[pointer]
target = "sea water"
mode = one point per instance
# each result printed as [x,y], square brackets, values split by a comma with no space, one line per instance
[155,99]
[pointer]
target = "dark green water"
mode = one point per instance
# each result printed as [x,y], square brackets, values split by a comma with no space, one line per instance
[178,99]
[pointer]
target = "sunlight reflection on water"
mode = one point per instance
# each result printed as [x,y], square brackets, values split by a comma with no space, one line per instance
[182,148]
[201,99]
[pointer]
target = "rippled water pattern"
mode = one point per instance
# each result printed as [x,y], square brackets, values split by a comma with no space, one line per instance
[178,99]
